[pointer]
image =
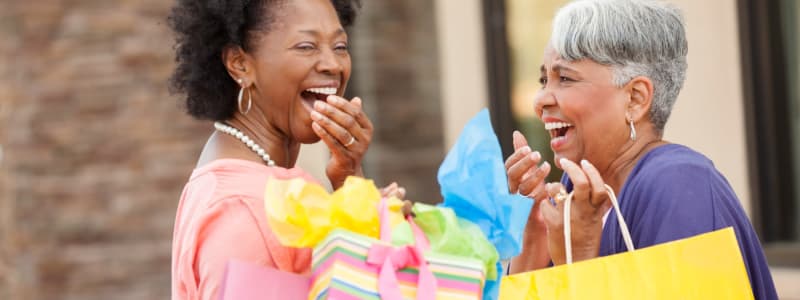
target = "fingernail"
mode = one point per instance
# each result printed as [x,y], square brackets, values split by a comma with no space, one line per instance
[585,163]
[526,149]
[545,165]
[318,105]
[563,162]
[333,99]
[316,115]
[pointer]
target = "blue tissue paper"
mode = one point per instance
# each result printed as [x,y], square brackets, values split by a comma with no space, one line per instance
[473,183]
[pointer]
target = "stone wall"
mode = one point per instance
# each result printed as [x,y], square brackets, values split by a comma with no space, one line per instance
[395,71]
[95,150]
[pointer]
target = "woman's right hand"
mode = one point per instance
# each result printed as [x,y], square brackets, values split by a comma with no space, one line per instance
[347,131]
[526,177]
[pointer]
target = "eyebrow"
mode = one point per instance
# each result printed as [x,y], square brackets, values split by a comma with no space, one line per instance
[338,32]
[559,67]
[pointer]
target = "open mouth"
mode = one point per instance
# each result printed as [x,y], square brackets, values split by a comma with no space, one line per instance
[320,93]
[557,129]
[312,95]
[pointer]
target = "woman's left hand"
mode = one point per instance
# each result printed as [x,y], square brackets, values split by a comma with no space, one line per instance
[393,190]
[345,129]
[589,203]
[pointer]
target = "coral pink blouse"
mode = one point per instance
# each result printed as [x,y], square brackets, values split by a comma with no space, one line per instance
[221,216]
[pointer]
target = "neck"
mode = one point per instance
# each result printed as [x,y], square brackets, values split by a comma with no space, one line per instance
[278,145]
[618,170]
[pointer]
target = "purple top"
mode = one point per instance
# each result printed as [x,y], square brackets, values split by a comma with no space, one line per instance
[673,193]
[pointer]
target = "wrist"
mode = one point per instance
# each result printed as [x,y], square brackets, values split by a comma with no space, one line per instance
[337,176]
[585,253]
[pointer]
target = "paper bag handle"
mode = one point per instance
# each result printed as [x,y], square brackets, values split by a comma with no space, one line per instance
[626,234]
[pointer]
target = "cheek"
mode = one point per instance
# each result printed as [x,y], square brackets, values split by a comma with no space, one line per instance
[538,103]
[593,120]
[346,70]
[347,63]
[599,121]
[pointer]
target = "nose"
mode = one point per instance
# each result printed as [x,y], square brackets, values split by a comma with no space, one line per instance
[543,99]
[330,63]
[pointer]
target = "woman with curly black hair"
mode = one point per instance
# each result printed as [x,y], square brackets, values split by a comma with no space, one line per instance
[271,74]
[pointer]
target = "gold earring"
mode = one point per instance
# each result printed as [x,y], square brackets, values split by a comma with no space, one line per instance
[249,98]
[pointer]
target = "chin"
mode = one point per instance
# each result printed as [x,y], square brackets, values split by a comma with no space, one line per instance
[302,132]
[558,156]
[308,139]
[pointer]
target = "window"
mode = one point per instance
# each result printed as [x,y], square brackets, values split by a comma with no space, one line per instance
[517,32]
[791,28]
[769,39]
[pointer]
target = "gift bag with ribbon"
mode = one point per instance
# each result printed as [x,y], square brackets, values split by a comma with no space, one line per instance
[706,266]
[351,266]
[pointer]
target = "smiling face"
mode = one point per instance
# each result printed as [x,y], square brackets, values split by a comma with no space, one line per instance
[302,58]
[582,110]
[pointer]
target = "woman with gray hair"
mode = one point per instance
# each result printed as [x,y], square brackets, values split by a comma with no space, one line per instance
[611,74]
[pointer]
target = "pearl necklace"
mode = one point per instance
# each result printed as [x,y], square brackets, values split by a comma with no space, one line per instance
[225,128]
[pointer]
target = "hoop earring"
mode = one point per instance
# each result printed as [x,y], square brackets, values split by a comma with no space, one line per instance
[249,98]
[633,130]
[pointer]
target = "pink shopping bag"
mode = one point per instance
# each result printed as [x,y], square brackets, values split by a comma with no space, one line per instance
[243,280]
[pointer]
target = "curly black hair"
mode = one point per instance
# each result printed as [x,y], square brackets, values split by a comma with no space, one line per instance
[203,29]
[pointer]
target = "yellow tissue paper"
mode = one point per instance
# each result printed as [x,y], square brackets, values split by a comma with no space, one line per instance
[301,213]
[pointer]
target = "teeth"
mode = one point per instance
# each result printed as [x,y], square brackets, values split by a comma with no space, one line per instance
[324,91]
[556,125]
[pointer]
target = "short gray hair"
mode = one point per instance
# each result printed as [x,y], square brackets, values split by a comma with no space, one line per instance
[634,37]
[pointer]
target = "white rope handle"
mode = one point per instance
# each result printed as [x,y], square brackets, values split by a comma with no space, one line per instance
[626,234]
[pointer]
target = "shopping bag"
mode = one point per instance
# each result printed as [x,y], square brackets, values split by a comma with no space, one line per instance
[706,266]
[243,280]
[351,266]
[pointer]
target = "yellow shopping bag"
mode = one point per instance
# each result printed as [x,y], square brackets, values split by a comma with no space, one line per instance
[706,266]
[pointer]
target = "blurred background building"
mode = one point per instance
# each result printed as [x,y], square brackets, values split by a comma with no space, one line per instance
[94,151]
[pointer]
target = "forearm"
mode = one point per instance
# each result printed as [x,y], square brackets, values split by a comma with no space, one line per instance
[534,254]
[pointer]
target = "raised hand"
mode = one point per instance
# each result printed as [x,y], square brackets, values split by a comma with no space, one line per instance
[393,190]
[345,129]
[589,203]
[526,177]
